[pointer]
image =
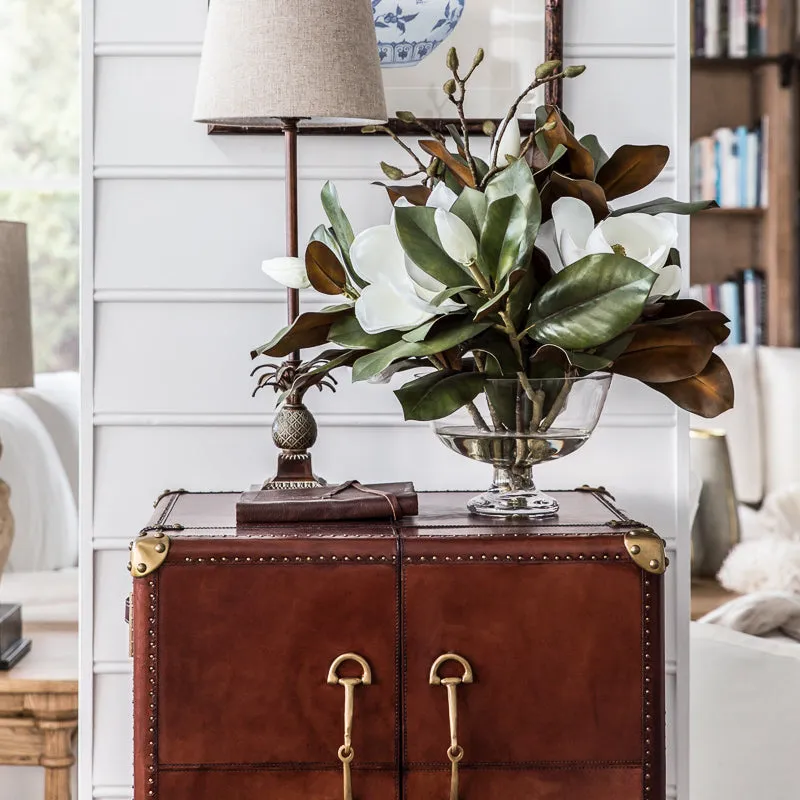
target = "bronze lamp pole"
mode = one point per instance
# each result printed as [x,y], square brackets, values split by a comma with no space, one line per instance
[261,65]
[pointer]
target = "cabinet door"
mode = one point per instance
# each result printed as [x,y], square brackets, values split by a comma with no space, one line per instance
[560,705]
[244,635]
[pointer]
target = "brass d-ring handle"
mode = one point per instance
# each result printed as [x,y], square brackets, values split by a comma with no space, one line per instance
[455,752]
[346,752]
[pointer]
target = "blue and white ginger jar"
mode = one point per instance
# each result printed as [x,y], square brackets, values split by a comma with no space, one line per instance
[410,30]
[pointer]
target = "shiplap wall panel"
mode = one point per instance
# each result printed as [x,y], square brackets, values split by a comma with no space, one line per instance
[620,22]
[190,358]
[174,233]
[196,232]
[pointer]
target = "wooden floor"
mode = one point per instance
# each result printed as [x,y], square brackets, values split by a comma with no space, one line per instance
[708,595]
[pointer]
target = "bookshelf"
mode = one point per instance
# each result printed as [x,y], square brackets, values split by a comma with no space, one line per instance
[728,93]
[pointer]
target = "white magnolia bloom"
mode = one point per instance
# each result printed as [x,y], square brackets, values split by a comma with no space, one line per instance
[288,271]
[441,197]
[456,237]
[510,143]
[399,294]
[572,235]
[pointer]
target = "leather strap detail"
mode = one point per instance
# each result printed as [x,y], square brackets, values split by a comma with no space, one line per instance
[391,499]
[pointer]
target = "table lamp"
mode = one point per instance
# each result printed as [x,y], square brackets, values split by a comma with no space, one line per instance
[16,372]
[299,63]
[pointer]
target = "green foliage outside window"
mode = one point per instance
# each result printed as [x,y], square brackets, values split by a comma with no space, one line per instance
[39,152]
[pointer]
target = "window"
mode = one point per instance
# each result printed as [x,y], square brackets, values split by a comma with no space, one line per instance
[39,154]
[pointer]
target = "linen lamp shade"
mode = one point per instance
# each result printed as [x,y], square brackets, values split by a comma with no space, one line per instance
[16,340]
[315,61]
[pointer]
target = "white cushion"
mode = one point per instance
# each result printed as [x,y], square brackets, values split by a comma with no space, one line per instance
[56,401]
[42,503]
[743,423]
[46,597]
[779,370]
[745,704]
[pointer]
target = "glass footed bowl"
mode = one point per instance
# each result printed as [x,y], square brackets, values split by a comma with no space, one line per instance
[514,426]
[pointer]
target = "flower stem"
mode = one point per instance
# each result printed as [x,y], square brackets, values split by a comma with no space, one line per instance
[479,421]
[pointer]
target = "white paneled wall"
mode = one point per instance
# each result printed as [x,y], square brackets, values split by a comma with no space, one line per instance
[175,226]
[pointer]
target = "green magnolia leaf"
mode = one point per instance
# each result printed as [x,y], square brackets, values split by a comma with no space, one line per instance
[501,361]
[420,333]
[471,208]
[631,168]
[308,330]
[592,144]
[342,228]
[543,169]
[446,294]
[591,362]
[348,333]
[508,237]
[416,230]
[666,205]
[454,332]
[515,180]
[590,302]
[502,398]
[325,271]
[708,394]
[439,394]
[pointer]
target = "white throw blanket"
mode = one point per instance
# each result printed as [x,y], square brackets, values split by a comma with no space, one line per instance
[765,568]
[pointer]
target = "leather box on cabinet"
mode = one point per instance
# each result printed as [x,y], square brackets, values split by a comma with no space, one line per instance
[234,632]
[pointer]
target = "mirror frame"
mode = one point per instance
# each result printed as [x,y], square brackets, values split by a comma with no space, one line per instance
[553,50]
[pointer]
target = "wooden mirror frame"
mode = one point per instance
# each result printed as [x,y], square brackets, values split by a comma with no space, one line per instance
[553,50]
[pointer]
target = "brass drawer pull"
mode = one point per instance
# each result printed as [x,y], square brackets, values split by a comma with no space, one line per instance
[346,752]
[455,752]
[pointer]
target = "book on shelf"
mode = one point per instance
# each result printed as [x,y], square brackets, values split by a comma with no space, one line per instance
[742,299]
[729,28]
[730,166]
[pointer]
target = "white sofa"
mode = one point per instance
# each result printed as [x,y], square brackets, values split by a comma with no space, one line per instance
[39,431]
[745,690]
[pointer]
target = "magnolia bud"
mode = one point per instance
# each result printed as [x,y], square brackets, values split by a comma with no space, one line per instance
[489,128]
[369,129]
[547,69]
[406,116]
[573,72]
[452,59]
[449,87]
[393,173]
[549,126]
[479,56]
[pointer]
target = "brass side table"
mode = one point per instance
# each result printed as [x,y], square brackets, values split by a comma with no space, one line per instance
[39,708]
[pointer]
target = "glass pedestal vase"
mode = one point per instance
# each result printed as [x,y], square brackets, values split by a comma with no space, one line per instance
[515,425]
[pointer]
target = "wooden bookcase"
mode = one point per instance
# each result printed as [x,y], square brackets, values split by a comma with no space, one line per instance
[727,92]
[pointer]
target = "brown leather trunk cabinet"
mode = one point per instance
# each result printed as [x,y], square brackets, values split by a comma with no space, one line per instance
[478,659]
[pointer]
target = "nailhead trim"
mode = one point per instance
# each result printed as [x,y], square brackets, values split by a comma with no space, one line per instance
[648,696]
[286,559]
[514,558]
[152,692]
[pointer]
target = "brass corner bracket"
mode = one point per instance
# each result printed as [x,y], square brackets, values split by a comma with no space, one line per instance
[646,548]
[148,554]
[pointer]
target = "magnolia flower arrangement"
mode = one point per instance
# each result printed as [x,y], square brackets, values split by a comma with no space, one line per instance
[515,267]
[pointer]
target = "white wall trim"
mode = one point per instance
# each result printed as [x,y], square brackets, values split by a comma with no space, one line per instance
[194,50]
[171,296]
[85,748]
[327,420]
[637,51]
[319,172]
